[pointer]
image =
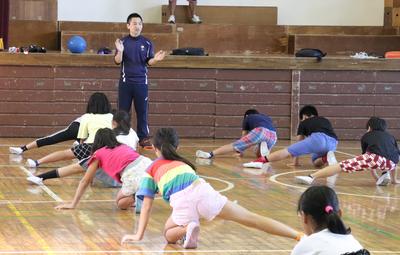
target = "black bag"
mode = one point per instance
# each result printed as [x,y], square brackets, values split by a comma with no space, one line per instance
[313,53]
[189,52]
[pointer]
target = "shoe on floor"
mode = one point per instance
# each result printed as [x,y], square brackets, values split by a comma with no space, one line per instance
[258,163]
[307,180]
[196,19]
[192,235]
[36,180]
[15,150]
[384,179]
[330,157]
[146,144]
[202,154]
[264,151]
[32,163]
[171,19]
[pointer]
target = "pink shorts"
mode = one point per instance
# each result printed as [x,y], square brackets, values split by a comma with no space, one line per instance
[367,161]
[199,200]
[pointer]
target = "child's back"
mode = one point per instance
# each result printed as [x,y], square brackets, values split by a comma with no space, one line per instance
[316,124]
[381,143]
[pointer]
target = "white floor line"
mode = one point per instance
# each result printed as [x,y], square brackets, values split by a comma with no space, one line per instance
[195,251]
[52,202]
[43,187]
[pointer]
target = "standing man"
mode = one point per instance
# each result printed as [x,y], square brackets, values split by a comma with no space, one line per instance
[135,53]
[192,5]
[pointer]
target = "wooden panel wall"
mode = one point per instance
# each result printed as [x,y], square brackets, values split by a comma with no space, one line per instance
[33,10]
[25,33]
[349,98]
[201,102]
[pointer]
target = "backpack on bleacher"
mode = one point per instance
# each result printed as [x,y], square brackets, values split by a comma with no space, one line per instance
[189,52]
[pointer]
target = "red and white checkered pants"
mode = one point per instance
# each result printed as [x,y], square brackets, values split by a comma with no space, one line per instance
[367,161]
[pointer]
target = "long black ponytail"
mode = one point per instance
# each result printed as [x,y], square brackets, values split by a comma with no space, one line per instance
[322,204]
[166,140]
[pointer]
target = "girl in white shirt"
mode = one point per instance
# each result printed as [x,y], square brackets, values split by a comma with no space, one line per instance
[321,218]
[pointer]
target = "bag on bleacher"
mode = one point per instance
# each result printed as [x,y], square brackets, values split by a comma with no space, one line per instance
[313,53]
[189,52]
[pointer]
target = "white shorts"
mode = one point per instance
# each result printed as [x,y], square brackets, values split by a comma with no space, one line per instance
[132,175]
[199,200]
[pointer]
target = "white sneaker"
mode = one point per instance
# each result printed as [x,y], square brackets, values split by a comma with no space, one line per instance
[171,19]
[253,164]
[196,19]
[330,157]
[384,179]
[36,180]
[264,151]
[304,180]
[192,235]
[31,163]
[76,143]
[202,154]
[15,150]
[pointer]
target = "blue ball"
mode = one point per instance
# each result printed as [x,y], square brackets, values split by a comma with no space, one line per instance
[76,44]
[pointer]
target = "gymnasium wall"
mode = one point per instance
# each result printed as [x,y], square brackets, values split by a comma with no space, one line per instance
[202,97]
[290,12]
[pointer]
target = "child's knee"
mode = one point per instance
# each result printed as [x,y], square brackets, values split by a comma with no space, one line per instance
[125,202]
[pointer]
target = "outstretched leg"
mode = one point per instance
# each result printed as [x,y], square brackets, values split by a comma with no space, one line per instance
[239,214]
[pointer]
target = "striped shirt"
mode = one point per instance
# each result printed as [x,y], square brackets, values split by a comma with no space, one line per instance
[166,177]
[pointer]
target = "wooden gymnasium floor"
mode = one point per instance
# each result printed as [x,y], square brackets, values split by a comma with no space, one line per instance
[30,225]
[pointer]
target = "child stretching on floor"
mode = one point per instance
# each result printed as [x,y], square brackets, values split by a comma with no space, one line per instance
[124,134]
[190,198]
[99,117]
[315,136]
[66,134]
[257,129]
[120,162]
[321,219]
[379,151]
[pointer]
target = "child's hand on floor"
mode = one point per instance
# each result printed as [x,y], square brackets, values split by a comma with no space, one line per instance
[130,238]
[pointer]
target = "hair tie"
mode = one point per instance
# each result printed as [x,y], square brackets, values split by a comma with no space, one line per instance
[328,209]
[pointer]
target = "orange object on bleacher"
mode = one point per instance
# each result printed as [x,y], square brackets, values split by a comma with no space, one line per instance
[392,54]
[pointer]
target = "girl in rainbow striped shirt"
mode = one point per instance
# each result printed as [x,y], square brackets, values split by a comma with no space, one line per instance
[190,197]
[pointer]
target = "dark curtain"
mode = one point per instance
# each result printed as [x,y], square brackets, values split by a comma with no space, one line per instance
[4,17]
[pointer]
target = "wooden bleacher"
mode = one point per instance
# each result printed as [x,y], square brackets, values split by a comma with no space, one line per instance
[236,15]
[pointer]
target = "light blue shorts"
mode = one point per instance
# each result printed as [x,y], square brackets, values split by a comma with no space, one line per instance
[317,144]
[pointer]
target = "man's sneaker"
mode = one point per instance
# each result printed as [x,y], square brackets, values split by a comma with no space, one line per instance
[304,180]
[258,163]
[264,151]
[32,163]
[171,19]
[330,157]
[384,179]
[192,235]
[146,144]
[138,205]
[196,19]
[202,154]
[16,150]
[35,180]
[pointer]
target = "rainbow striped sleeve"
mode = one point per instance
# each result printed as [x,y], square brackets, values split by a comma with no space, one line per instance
[148,187]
